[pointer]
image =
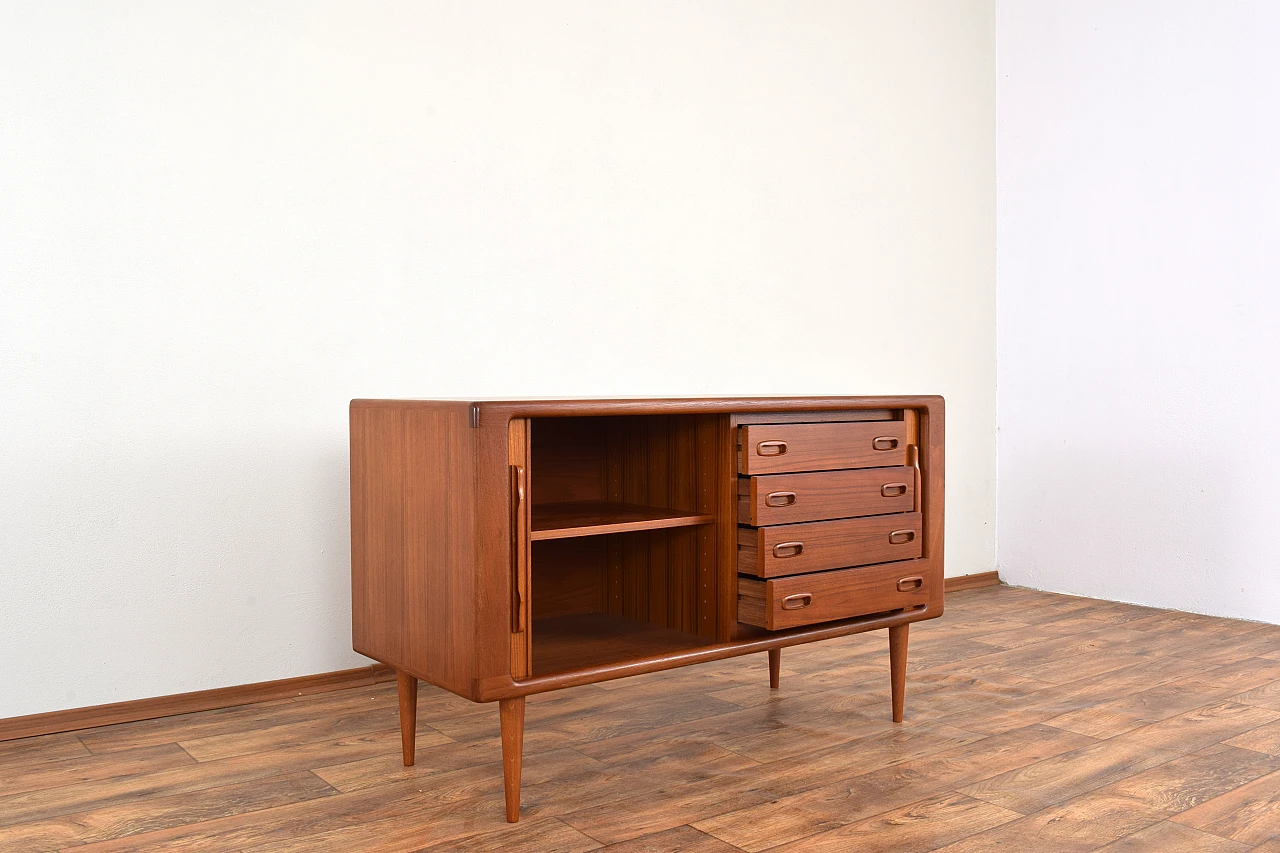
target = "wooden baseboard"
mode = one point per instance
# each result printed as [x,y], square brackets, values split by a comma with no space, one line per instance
[264,691]
[972,581]
[186,703]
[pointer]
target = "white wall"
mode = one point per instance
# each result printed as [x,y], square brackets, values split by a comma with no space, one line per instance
[221,221]
[1139,264]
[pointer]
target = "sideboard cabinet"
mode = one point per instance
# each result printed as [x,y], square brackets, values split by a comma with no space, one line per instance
[505,548]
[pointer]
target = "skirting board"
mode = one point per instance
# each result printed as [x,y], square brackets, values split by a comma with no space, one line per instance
[186,703]
[972,581]
[264,691]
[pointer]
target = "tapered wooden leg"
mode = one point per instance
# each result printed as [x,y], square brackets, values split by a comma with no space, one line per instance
[408,688]
[898,668]
[775,667]
[511,717]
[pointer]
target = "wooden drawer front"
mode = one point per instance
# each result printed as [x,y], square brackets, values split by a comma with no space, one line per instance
[792,549]
[790,498]
[827,596]
[778,448]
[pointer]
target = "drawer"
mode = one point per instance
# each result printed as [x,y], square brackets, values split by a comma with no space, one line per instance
[779,448]
[791,498]
[793,601]
[792,549]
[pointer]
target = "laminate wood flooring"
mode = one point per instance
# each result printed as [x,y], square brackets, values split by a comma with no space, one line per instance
[1035,722]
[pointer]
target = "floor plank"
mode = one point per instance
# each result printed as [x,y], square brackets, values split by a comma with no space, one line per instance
[91,768]
[1250,813]
[1053,780]
[862,794]
[1076,826]
[125,819]
[1262,739]
[682,839]
[924,825]
[1173,838]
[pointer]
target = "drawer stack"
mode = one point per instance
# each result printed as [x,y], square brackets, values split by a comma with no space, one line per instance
[829,520]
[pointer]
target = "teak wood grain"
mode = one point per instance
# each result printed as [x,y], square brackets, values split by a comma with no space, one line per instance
[712,759]
[793,549]
[796,600]
[596,518]
[779,448]
[413,534]
[502,549]
[818,495]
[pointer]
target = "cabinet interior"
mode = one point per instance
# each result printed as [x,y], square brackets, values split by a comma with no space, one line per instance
[623,551]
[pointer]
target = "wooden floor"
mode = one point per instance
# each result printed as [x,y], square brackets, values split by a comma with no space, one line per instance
[1035,723]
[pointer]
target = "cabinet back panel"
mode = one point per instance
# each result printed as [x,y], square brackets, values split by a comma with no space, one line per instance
[568,460]
[568,576]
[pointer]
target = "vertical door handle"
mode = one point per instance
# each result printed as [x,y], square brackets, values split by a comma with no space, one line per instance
[517,545]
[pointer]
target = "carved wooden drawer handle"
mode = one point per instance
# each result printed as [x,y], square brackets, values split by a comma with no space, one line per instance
[797,601]
[910,584]
[788,549]
[901,537]
[785,498]
[771,448]
[893,490]
[884,442]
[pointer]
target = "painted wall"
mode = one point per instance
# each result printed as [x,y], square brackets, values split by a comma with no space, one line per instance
[221,221]
[1139,339]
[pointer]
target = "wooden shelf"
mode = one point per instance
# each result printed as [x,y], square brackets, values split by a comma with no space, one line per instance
[592,640]
[594,518]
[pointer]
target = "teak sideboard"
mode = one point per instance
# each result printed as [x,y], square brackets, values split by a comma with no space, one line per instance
[504,548]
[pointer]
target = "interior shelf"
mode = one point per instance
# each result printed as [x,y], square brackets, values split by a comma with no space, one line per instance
[595,518]
[590,640]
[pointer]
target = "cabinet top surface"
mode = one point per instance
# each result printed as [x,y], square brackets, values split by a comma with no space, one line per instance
[533,406]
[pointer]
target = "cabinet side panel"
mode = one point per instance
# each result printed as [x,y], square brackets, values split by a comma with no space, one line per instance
[377,533]
[439,531]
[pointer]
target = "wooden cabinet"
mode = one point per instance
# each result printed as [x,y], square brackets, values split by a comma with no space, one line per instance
[505,548]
